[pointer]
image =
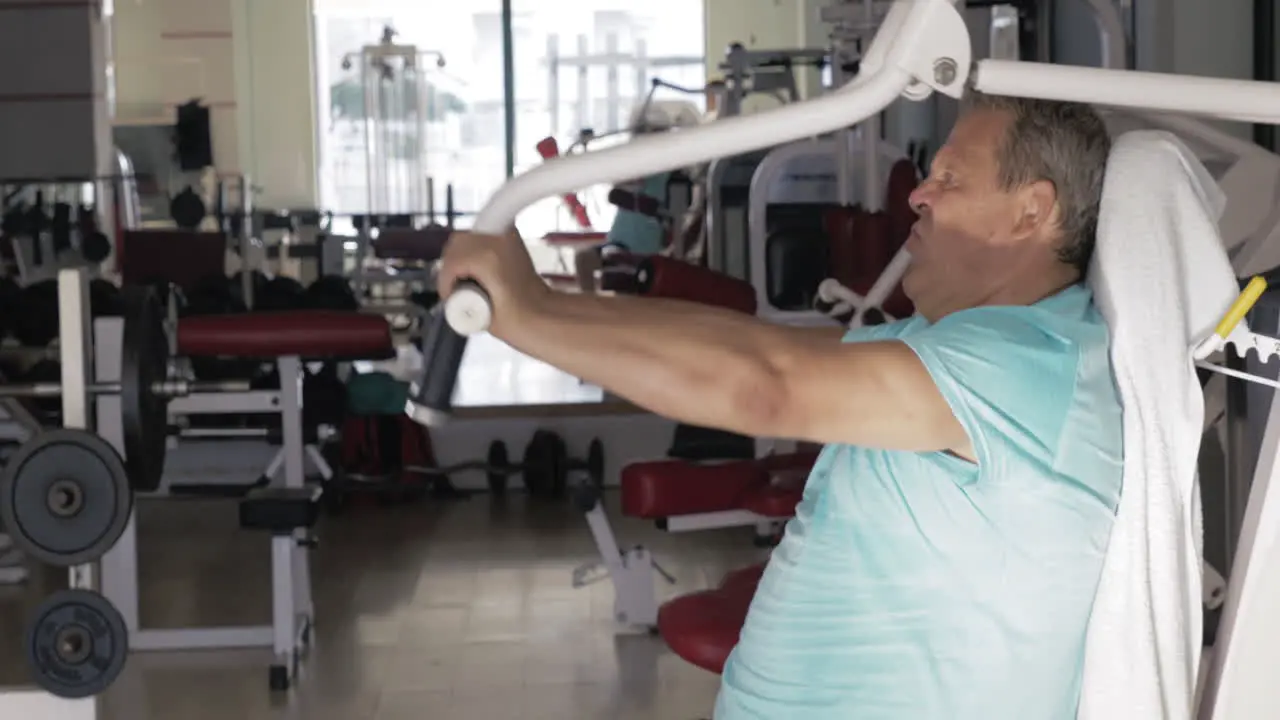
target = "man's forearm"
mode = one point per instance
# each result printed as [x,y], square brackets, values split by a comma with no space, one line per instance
[690,362]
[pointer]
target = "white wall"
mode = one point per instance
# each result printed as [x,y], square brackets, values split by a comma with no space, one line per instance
[274,55]
[170,51]
[763,24]
[754,23]
[250,62]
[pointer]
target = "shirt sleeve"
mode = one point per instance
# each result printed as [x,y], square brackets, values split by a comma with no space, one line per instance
[1008,379]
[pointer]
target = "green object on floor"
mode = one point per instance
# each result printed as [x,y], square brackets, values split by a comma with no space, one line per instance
[376,393]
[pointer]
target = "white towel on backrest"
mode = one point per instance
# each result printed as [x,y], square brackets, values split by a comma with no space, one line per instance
[1162,281]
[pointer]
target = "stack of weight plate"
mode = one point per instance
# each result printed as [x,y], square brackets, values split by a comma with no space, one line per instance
[65,499]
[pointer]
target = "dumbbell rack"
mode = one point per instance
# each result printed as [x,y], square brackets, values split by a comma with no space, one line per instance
[46,238]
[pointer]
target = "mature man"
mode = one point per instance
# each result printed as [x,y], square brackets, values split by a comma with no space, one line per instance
[943,562]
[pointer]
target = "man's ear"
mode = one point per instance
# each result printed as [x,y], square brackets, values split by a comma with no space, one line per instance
[1038,208]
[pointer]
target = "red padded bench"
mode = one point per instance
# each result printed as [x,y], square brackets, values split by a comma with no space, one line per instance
[662,489]
[703,627]
[311,334]
[658,276]
[288,339]
[679,496]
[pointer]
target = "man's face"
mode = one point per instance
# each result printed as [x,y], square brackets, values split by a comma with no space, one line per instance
[971,237]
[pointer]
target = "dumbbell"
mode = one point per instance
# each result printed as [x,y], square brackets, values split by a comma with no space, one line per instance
[330,292]
[213,295]
[545,467]
[281,292]
[258,283]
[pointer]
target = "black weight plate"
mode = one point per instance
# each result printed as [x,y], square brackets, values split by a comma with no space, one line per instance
[104,298]
[595,462]
[95,246]
[144,362]
[330,292]
[76,644]
[48,409]
[545,465]
[187,209]
[560,480]
[497,458]
[36,325]
[65,497]
[279,293]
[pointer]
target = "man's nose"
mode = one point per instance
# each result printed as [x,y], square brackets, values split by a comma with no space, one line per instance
[919,198]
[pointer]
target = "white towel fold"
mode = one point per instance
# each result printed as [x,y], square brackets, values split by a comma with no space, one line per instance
[1162,281]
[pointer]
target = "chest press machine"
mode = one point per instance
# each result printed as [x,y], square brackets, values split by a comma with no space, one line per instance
[66,496]
[923,47]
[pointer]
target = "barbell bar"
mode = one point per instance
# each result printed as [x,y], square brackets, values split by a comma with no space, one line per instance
[545,466]
[164,388]
[144,388]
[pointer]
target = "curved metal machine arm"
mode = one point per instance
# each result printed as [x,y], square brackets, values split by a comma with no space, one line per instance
[922,46]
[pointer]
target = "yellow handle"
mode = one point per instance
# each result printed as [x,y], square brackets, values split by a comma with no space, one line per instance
[1241,306]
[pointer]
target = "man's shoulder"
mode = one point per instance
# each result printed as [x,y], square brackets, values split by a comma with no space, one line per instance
[1064,323]
[1018,373]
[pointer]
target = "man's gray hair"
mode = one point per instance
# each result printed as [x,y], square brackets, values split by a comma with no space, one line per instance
[1065,143]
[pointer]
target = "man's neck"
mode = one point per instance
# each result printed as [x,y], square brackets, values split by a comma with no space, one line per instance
[1048,283]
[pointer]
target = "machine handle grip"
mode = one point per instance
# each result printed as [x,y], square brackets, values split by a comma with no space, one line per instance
[468,309]
[430,400]
[1241,307]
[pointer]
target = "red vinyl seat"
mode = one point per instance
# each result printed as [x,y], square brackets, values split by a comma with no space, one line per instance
[703,627]
[659,276]
[312,334]
[770,486]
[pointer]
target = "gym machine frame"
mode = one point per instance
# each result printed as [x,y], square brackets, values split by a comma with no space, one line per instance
[922,47]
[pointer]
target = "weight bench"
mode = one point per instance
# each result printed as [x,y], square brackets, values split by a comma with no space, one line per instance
[288,339]
[680,496]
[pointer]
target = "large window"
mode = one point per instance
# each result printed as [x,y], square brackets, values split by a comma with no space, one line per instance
[444,123]
[588,64]
[579,64]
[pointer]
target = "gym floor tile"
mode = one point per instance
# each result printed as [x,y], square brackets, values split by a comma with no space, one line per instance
[434,611]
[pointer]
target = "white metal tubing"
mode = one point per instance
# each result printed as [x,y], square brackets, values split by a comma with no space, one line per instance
[1115,44]
[888,280]
[712,520]
[1244,100]
[903,37]
[468,310]
[659,153]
